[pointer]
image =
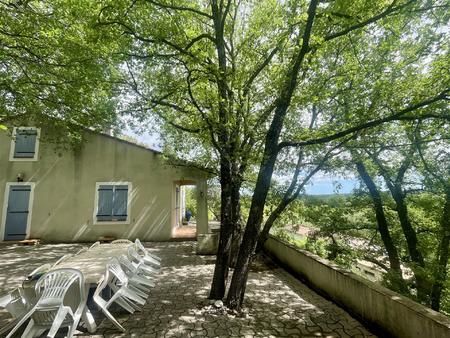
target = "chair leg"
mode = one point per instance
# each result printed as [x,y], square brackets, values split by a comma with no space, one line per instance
[88,319]
[20,323]
[30,330]
[113,320]
[124,304]
[59,318]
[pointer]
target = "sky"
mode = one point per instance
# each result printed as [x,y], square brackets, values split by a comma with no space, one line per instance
[320,184]
[328,185]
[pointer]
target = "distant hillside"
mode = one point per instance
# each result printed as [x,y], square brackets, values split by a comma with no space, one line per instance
[325,199]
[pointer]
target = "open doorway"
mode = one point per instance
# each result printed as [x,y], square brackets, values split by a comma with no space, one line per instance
[185,218]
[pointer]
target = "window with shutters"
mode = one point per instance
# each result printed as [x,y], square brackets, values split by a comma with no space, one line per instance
[112,202]
[25,144]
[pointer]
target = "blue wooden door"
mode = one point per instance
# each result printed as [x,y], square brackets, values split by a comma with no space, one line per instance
[17,212]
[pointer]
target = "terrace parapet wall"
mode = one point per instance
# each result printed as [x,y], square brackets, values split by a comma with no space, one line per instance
[387,313]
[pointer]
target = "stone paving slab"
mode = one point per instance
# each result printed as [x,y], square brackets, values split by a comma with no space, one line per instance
[277,304]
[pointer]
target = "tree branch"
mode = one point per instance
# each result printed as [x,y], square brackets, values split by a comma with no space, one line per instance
[389,10]
[442,96]
[179,8]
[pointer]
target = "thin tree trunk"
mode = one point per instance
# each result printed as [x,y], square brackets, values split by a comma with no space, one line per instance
[394,260]
[291,194]
[442,255]
[422,283]
[423,287]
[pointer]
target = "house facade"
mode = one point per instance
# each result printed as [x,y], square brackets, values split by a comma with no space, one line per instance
[108,188]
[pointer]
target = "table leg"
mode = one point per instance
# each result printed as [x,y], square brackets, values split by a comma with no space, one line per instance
[88,319]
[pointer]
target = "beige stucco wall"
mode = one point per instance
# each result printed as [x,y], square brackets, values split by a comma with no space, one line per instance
[389,313]
[65,184]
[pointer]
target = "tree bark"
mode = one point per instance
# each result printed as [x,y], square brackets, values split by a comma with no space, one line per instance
[218,285]
[220,276]
[442,255]
[423,287]
[383,228]
[236,219]
[395,188]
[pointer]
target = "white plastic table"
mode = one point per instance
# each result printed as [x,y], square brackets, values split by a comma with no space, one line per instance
[92,263]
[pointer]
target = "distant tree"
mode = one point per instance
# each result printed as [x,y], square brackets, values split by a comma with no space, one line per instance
[405,173]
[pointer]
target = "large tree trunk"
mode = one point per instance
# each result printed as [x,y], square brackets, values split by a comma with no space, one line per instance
[230,183]
[226,175]
[395,271]
[226,231]
[251,233]
[442,255]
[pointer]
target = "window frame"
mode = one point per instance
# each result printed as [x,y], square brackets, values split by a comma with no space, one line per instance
[97,186]
[13,146]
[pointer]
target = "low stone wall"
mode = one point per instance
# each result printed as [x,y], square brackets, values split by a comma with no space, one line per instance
[386,312]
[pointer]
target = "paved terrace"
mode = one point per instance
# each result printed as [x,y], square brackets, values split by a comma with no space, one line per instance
[278,305]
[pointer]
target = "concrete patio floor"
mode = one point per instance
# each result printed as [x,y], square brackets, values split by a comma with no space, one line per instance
[278,305]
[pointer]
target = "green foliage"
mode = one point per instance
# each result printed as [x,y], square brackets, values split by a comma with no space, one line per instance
[53,70]
[191,200]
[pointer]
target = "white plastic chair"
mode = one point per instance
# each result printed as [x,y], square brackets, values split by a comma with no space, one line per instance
[147,256]
[139,262]
[15,303]
[140,281]
[50,311]
[121,241]
[94,245]
[124,295]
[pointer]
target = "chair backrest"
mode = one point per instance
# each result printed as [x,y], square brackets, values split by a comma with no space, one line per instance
[81,250]
[139,246]
[133,255]
[39,271]
[55,284]
[141,249]
[126,265]
[114,268]
[62,259]
[94,245]
[121,241]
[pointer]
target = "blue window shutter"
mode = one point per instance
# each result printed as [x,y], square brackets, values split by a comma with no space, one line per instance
[25,143]
[105,203]
[120,202]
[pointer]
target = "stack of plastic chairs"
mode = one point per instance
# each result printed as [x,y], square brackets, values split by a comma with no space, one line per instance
[139,262]
[138,278]
[50,312]
[125,294]
[149,258]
